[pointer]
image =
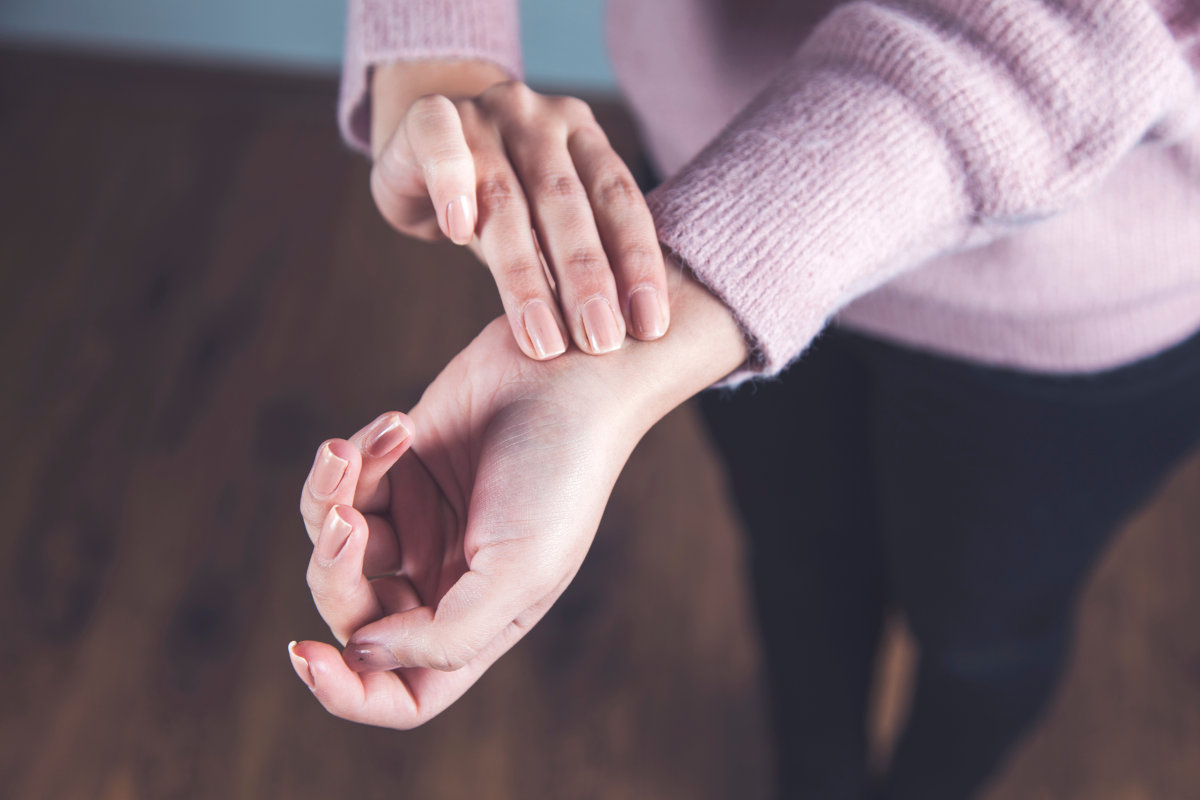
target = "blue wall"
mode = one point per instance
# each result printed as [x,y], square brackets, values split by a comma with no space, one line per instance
[563,39]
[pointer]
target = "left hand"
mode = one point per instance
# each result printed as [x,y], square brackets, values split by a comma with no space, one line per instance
[441,537]
[432,561]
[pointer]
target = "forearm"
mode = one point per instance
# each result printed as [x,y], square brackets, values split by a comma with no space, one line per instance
[394,87]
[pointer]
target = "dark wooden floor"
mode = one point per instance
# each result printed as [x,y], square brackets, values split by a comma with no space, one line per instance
[196,292]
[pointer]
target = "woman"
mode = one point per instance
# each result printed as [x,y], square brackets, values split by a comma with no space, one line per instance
[990,208]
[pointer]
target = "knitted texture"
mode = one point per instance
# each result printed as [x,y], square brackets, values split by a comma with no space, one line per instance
[379,31]
[903,131]
[1015,181]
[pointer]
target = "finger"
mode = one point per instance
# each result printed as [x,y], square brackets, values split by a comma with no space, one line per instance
[403,699]
[377,699]
[342,594]
[434,133]
[627,231]
[400,699]
[399,190]
[396,594]
[473,612]
[382,556]
[381,444]
[506,241]
[566,229]
[332,479]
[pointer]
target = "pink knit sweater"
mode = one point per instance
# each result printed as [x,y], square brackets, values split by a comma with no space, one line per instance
[1016,182]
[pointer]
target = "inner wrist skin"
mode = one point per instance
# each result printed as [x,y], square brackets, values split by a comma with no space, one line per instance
[703,345]
[395,85]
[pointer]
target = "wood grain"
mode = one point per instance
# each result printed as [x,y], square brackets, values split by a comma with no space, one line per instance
[198,291]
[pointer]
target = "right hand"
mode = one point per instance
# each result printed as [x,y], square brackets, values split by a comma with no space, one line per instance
[441,537]
[505,164]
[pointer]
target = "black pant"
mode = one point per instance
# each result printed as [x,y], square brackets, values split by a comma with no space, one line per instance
[975,500]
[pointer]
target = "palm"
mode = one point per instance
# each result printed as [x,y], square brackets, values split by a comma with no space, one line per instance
[477,531]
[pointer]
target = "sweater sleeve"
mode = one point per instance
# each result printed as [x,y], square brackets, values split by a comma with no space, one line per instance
[378,31]
[905,129]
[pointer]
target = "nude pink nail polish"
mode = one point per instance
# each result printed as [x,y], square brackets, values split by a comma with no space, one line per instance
[327,471]
[460,219]
[543,330]
[600,325]
[389,433]
[334,535]
[301,666]
[645,307]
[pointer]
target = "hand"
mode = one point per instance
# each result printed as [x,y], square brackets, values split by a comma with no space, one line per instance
[507,163]
[473,513]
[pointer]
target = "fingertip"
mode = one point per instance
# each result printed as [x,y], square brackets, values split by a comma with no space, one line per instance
[336,531]
[649,313]
[300,665]
[333,684]
[460,219]
[346,516]
[545,337]
[602,329]
[369,657]
[334,460]
[387,433]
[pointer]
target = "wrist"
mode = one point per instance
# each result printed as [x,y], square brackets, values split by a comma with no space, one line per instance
[395,85]
[704,345]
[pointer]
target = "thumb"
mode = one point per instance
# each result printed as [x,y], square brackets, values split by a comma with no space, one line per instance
[473,613]
[428,167]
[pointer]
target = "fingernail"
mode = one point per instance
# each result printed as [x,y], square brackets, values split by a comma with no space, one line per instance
[328,471]
[600,325]
[459,220]
[649,322]
[544,334]
[300,664]
[369,657]
[389,433]
[335,532]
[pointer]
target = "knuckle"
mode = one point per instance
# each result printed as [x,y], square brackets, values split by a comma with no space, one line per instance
[430,106]
[640,260]
[559,186]
[617,189]
[585,262]
[447,160]
[508,94]
[496,191]
[574,109]
[445,658]
[514,273]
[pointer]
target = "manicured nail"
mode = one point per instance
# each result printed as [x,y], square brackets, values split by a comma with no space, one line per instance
[335,532]
[460,220]
[300,664]
[328,471]
[649,321]
[600,325]
[389,433]
[544,334]
[369,657]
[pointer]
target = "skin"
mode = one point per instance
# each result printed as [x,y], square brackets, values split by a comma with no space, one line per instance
[473,512]
[462,153]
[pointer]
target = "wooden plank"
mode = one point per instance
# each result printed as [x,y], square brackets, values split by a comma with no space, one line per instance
[199,291]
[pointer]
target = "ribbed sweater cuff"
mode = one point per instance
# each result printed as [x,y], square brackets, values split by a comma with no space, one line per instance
[893,137]
[806,202]
[379,31]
